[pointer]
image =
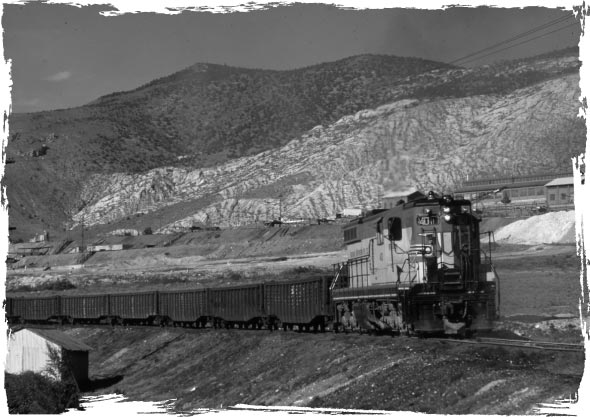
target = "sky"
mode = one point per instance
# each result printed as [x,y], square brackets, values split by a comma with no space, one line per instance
[65,56]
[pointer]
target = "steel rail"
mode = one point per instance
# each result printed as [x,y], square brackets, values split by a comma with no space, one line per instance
[519,343]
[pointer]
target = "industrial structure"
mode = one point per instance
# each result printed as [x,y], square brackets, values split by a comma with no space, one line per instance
[531,193]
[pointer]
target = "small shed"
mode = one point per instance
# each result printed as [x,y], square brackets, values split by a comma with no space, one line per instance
[31,349]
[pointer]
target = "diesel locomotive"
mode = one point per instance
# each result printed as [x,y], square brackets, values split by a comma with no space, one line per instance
[418,267]
[415,268]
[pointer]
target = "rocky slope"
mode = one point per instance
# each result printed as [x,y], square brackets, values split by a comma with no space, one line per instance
[430,144]
[171,148]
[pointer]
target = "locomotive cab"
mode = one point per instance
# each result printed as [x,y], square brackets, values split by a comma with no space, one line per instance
[423,272]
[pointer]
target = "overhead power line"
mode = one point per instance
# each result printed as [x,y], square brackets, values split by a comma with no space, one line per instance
[515,38]
[519,43]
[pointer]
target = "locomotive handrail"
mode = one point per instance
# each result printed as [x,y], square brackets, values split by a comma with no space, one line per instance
[491,238]
[395,247]
[336,277]
[497,279]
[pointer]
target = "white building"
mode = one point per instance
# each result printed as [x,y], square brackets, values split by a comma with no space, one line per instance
[30,350]
[351,212]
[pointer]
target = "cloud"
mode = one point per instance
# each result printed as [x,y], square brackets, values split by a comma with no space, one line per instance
[60,76]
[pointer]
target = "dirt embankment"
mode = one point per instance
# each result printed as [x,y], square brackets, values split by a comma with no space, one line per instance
[220,368]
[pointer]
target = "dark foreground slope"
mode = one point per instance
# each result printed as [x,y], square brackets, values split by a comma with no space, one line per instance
[209,368]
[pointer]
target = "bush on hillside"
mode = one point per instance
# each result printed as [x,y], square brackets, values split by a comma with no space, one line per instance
[59,285]
[31,393]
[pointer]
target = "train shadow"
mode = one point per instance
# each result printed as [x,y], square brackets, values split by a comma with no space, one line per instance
[99,383]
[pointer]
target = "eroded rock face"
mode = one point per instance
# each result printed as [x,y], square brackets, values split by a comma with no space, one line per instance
[431,144]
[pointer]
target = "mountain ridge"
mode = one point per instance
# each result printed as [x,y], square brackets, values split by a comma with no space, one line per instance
[140,133]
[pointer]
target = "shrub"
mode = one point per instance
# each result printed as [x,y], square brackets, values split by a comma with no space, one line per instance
[31,393]
[147,231]
[59,285]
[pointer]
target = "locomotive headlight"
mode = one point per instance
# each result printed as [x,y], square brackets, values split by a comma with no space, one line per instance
[448,217]
[446,210]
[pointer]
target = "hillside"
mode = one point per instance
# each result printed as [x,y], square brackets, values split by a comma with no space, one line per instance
[205,116]
[431,144]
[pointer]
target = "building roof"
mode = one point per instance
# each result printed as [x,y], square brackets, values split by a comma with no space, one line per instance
[560,181]
[60,338]
[500,186]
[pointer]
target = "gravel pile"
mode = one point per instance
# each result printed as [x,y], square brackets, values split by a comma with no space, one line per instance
[555,227]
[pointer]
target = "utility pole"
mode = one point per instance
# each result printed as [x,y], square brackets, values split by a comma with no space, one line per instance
[83,248]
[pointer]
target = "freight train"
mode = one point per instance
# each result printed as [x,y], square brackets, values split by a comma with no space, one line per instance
[415,268]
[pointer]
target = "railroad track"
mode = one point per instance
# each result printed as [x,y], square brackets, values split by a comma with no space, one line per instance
[530,344]
[490,341]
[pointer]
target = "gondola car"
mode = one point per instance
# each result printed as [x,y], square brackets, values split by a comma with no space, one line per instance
[241,306]
[416,268]
[184,307]
[304,303]
[33,309]
[134,307]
